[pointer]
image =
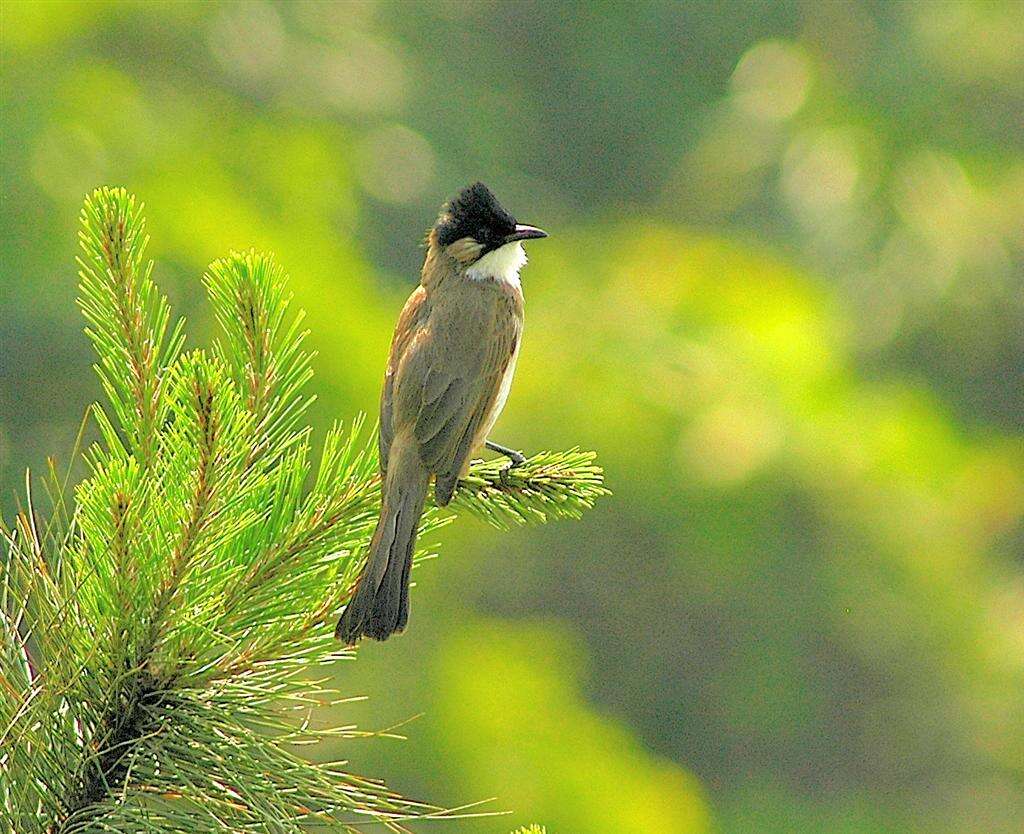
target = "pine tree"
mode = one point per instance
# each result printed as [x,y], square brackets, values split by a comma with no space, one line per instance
[160,625]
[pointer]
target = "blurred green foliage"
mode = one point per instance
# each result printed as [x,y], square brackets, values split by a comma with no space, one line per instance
[783,298]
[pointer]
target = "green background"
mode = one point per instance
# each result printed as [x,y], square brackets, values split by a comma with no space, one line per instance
[783,297]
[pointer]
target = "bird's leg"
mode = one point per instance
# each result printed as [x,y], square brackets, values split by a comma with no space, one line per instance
[514,458]
[517,458]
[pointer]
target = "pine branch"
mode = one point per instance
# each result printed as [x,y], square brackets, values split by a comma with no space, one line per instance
[260,346]
[548,485]
[128,317]
[156,638]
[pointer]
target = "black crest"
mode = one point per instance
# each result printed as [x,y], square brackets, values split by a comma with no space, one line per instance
[475,213]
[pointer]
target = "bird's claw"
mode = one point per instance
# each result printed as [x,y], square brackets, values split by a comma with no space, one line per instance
[514,459]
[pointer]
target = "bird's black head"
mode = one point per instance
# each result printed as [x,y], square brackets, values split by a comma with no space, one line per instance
[476,213]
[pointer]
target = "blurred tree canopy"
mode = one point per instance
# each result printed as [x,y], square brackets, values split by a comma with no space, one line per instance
[783,298]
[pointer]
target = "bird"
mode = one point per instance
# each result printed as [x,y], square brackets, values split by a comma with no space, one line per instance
[449,372]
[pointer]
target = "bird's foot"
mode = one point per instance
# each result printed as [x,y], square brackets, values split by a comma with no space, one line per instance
[514,459]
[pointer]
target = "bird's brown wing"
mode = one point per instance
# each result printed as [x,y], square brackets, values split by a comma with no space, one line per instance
[450,380]
[449,430]
[410,324]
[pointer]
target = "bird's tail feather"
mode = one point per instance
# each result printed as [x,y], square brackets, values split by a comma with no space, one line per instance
[380,605]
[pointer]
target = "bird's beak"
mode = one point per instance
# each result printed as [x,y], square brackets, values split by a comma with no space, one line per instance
[524,232]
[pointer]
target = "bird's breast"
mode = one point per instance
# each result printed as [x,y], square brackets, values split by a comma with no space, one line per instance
[502,395]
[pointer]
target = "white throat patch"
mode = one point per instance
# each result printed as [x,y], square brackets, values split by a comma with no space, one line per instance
[502,265]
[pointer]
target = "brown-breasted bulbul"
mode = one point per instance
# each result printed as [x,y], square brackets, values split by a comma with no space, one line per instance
[452,358]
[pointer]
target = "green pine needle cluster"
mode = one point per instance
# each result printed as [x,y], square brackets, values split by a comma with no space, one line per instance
[160,634]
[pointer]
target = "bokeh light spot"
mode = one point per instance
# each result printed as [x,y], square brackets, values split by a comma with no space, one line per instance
[729,443]
[248,40]
[820,171]
[771,80]
[396,164]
